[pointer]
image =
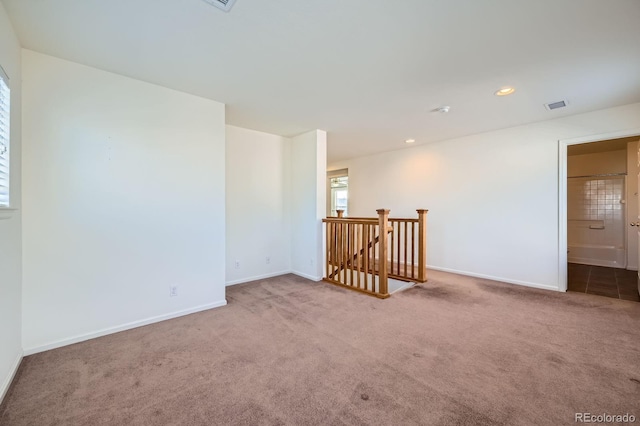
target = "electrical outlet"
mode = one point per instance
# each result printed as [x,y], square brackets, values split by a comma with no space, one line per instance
[268,259]
[173,291]
[237,264]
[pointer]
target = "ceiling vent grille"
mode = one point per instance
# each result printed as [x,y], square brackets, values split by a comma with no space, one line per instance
[225,5]
[556,105]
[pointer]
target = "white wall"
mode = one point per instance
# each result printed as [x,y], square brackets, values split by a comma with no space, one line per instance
[492,197]
[308,203]
[124,192]
[10,221]
[597,163]
[257,206]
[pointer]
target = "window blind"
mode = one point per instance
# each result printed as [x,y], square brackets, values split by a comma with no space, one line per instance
[4,138]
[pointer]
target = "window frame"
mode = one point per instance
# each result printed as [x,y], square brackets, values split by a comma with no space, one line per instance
[6,211]
[333,174]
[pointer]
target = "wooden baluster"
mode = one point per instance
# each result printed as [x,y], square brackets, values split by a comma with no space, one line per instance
[383,224]
[376,255]
[338,251]
[391,246]
[351,261]
[405,249]
[334,237]
[398,248]
[372,236]
[374,247]
[335,256]
[332,250]
[341,251]
[413,250]
[358,241]
[335,252]
[372,256]
[422,245]
[374,264]
[327,229]
[365,247]
[345,253]
[345,259]
[342,248]
[339,260]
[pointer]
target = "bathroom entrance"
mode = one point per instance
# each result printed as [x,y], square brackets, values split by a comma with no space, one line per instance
[601,221]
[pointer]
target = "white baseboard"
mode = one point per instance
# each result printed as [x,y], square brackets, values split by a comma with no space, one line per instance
[309,277]
[123,327]
[490,277]
[6,383]
[257,277]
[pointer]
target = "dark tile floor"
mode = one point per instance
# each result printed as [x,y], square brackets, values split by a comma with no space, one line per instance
[602,281]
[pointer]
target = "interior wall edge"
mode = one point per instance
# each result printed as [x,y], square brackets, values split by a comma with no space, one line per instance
[494,278]
[128,326]
[258,277]
[6,384]
[307,276]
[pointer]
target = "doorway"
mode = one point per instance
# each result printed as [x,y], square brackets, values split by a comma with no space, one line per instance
[598,246]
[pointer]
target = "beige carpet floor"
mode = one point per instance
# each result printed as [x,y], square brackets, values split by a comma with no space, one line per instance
[287,351]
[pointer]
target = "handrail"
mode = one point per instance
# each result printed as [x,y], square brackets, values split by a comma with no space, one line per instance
[349,220]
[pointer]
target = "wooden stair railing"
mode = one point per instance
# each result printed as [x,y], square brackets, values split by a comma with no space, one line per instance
[354,249]
[408,248]
[351,260]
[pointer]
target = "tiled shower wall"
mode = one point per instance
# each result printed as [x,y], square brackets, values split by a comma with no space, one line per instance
[594,203]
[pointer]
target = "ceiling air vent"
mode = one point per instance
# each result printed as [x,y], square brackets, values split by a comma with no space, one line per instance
[556,105]
[221,4]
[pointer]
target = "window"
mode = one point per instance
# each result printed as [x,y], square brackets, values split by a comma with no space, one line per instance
[337,191]
[4,139]
[339,194]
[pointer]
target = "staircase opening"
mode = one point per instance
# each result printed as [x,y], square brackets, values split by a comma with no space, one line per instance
[376,255]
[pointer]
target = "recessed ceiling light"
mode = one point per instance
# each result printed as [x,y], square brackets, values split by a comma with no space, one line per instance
[505,91]
[410,141]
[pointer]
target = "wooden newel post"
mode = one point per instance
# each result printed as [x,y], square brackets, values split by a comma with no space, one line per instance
[422,245]
[339,247]
[383,226]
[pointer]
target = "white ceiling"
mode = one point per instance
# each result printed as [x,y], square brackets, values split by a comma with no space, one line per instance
[370,72]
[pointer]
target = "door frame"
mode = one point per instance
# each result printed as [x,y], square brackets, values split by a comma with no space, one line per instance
[563,144]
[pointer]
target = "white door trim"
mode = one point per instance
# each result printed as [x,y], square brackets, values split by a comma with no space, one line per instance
[562,193]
